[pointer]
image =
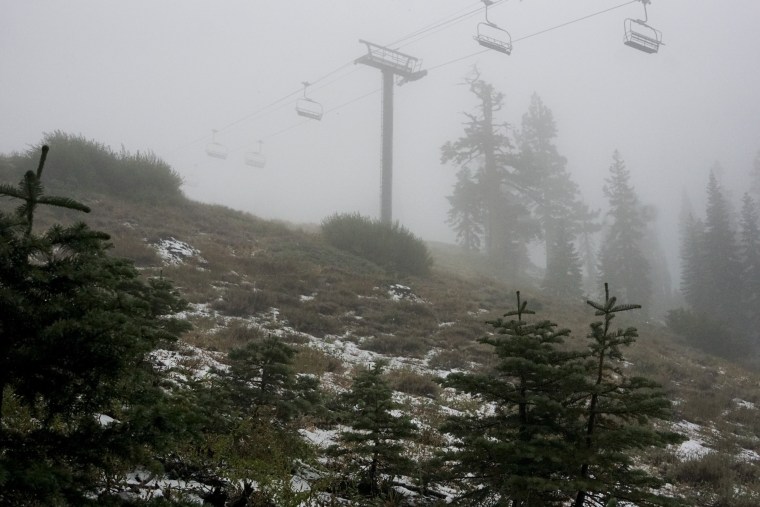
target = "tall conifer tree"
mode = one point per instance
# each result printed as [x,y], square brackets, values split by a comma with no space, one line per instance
[466,213]
[621,260]
[564,277]
[542,176]
[506,221]
[721,269]
[749,245]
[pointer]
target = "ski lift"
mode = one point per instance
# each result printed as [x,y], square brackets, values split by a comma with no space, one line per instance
[215,149]
[308,107]
[639,35]
[255,158]
[490,36]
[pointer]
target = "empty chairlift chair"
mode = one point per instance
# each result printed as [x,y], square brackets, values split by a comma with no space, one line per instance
[639,35]
[215,149]
[308,107]
[255,158]
[490,36]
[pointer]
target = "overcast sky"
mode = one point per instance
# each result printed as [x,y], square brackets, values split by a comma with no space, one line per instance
[160,75]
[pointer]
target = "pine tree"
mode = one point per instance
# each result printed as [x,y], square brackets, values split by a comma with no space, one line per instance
[262,383]
[506,222]
[76,328]
[721,270]
[373,447]
[754,184]
[555,425]
[621,260]
[617,419]
[466,213]
[692,262]
[749,252]
[564,277]
[542,176]
[514,449]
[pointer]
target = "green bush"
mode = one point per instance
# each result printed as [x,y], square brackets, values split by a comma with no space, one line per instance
[411,382]
[391,246]
[708,334]
[83,164]
[392,345]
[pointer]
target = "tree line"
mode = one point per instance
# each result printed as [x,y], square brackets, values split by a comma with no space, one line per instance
[513,188]
[720,270]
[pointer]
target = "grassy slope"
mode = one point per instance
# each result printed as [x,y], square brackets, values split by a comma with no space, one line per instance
[250,266]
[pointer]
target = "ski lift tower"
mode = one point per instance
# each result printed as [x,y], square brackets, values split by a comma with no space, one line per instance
[391,63]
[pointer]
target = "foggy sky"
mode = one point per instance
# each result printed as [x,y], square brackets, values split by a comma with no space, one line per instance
[159,75]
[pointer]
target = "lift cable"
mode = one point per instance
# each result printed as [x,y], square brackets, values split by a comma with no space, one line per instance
[439,25]
[409,39]
[541,32]
[576,20]
[450,62]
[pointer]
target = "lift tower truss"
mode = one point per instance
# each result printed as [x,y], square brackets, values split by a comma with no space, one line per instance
[391,63]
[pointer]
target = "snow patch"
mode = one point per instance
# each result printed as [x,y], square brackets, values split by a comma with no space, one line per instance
[398,292]
[174,252]
[744,404]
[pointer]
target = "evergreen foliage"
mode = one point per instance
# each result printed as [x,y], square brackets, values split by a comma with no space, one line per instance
[556,426]
[755,176]
[393,247]
[76,327]
[505,219]
[514,448]
[720,270]
[466,213]
[245,429]
[692,262]
[719,277]
[617,418]
[372,450]
[749,256]
[553,195]
[621,260]
[564,277]
[81,164]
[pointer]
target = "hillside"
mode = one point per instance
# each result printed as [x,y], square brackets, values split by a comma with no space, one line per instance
[247,278]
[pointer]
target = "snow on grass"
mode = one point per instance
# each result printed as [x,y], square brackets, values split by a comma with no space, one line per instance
[174,252]
[744,404]
[748,455]
[398,292]
[319,437]
[694,447]
[199,362]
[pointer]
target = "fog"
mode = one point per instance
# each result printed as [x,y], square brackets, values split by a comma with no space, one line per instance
[160,76]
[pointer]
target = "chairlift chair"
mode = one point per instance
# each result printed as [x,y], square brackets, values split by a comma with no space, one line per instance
[215,149]
[491,36]
[639,35]
[255,158]
[308,107]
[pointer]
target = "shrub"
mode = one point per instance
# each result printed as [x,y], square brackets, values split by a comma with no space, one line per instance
[392,345]
[708,334]
[391,246]
[309,321]
[411,382]
[242,302]
[83,164]
[449,360]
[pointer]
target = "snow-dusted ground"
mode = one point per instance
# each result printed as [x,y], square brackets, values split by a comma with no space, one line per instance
[345,348]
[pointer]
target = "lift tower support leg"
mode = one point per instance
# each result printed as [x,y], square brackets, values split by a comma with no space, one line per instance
[391,63]
[386,184]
